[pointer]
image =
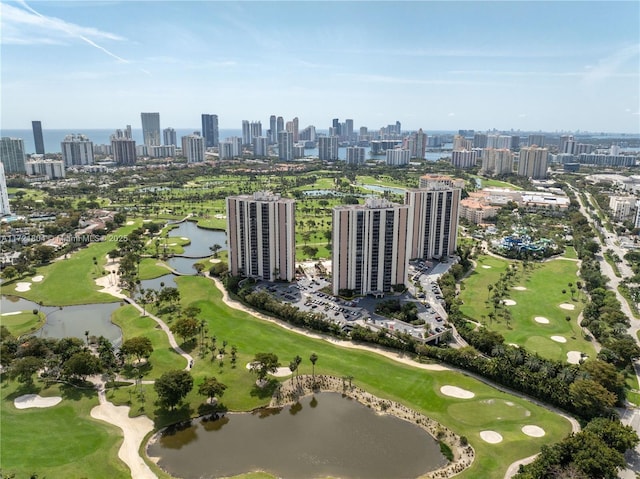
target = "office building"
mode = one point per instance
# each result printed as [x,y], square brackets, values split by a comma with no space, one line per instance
[5,209]
[260,146]
[537,140]
[433,217]
[463,159]
[285,146]
[169,137]
[38,139]
[150,128]
[210,130]
[369,247]
[123,150]
[52,169]
[77,150]
[328,148]
[398,157]
[12,155]
[355,155]
[193,147]
[261,236]
[497,162]
[533,162]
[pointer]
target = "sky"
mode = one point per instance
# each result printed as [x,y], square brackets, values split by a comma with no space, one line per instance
[539,65]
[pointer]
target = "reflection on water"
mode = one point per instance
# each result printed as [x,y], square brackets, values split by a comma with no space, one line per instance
[323,435]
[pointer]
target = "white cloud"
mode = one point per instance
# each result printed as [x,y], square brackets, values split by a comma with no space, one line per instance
[611,65]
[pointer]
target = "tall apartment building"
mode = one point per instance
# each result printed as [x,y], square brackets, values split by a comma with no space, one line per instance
[369,246]
[480,140]
[433,220]
[308,134]
[328,148]
[285,146]
[398,157]
[537,140]
[461,143]
[504,142]
[38,139]
[52,169]
[230,148]
[169,137]
[296,128]
[261,236]
[162,151]
[497,162]
[210,130]
[348,129]
[279,126]
[77,150]
[533,162]
[260,146]
[463,158]
[246,132]
[273,130]
[255,128]
[193,147]
[355,155]
[12,155]
[123,150]
[150,128]
[5,209]
[621,207]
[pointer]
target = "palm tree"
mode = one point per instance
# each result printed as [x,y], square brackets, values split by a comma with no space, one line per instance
[313,358]
[86,334]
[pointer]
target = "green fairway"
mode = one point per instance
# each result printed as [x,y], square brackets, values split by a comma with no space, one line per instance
[538,314]
[150,269]
[23,322]
[58,442]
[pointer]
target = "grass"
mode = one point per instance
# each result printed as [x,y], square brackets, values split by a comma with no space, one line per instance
[149,269]
[383,377]
[541,298]
[58,442]
[493,183]
[23,323]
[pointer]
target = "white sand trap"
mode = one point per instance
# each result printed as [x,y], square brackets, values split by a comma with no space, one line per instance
[491,437]
[215,260]
[541,320]
[173,244]
[559,339]
[519,288]
[33,400]
[533,431]
[12,313]
[456,392]
[486,266]
[282,372]
[184,238]
[568,306]
[129,223]
[22,287]
[37,279]
[514,345]
[146,221]
[574,357]
[509,302]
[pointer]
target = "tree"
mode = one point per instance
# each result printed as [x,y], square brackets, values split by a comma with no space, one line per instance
[590,398]
[138,346]
[264,363]
[313,358]
[613,433]
[187,328]
[23,369]
[215,248]
[9,273]
[81,365]
[211,388]
[173,386]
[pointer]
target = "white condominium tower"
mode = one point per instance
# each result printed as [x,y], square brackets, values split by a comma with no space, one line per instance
[369,246]
[533,162]
[193,147]
[77,150]
[4,195]
[261,236]
[433,217]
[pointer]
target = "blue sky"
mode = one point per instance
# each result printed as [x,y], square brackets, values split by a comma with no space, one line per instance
[432,65]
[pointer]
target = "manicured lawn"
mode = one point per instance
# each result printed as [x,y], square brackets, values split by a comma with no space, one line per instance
[542,298]
[58,442]
[570,252]
[413,387]
[23,323]
[149,269]
[490,182]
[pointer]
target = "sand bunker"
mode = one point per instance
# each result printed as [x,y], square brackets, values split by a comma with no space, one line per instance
[215,260]
[568,307]
[184,238]
[491,437]
[509,302]
[281,372]
[574,357]
[33,400]
[456,392]
[129,223]
[12,313]
[519,288]
[22,287]
[37,279]
[486,266]
[541,320]
[559,339]
[533,431]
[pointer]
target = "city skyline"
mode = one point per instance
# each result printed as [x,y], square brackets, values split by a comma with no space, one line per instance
[432,65]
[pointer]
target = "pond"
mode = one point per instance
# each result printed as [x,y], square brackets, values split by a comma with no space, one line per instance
[168,280]
[201,240]
[70,321]
[323,435]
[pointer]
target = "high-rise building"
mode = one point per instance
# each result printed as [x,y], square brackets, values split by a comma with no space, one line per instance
[193,147]
[285,146]
[38,139]
[150,128]
[433,217]
[497,162]
[533,162]
[369,246]
[419,144]
[328,148]
[52,169]
[504,142]
[355,155]
[77,150]
[298,151]
[256,129]
[162,151]
[480,140]
[279,126]
[273,130]
[5,208]
[123,150]
[246,132]
[296,128]
[537,140]
[337,127]
[210,130]
[12,155]
[169,136]
[348,129]
[398,157]
[463,158]
[308,134]
[261,236]
[461,143]
[260,146]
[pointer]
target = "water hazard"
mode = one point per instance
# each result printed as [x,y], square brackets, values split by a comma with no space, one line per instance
[324,435]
